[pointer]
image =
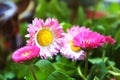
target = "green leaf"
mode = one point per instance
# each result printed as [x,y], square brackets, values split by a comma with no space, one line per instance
[96,78]
[44,63]
[20,70]
[9,75]
[97,60]
[46,68]
[115,69]
[58,76]
[114,73]
[68,69]
[99,70]
[36,71]
[111,63]
[42,69]
[62,59]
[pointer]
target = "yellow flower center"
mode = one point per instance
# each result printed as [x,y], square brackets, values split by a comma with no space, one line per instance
[44,37]
[74,48]
[25,54]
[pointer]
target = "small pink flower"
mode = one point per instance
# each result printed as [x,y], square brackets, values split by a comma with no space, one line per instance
[89,40]
[25,53]
[109,40]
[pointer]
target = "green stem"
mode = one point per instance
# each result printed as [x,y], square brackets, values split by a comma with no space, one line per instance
[104,52]
[33,73]
[80,73]
[86,64]
[103,55]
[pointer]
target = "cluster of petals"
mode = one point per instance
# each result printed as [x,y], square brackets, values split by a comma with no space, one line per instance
[66,47]
[109,40]
[54,28]
[89,40]
[25,53]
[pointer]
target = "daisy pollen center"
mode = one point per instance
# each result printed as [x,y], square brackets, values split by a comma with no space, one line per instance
[74,48]
[44,37]
[25,54]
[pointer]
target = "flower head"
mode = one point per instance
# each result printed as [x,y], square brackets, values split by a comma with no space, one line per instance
[46,35]
[89,39]
[25,53]
[109,40]
[68,49]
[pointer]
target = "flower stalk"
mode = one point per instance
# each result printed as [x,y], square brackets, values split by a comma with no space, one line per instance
[80,73]
[33,73]
[104,53]
[86,64]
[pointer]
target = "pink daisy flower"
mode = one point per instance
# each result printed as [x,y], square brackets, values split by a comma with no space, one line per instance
[46,35]
[89,40]
[68,49]
[25,53]
[109,40]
